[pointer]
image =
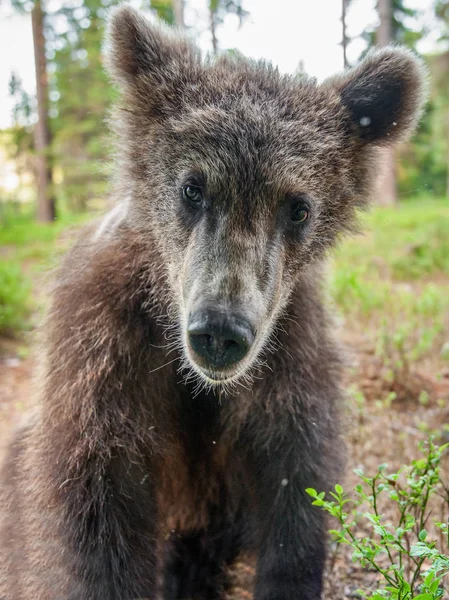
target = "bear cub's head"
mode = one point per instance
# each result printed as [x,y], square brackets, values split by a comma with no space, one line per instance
[243,177]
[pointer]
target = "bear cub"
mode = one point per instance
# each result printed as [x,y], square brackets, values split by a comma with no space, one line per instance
[190,385]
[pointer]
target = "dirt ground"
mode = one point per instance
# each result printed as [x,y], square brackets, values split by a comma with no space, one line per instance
[375,433]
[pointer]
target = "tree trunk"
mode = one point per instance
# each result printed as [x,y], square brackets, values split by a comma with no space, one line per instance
[344,38]
[384,32]
[447,151]
[45,201]
[212,25]
[178,10]
[387,181]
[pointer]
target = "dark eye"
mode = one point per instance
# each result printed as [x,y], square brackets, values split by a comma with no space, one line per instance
[299,212]
[192,193]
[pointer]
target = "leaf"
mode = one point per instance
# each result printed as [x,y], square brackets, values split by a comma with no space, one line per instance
[420,464]
[422,535]
[435,585]
[420,549]
[429,578]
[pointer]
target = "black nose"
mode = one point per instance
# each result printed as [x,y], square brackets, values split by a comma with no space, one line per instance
[218,339]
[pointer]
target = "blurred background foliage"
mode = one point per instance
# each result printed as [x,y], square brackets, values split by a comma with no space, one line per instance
[78,94]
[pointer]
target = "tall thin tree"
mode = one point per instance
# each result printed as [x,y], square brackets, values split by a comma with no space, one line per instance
[178,11]
[384,36]
[213,6]
[442,14]
[46,209]
[344,32]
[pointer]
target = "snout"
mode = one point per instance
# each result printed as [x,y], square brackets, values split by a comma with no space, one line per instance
[218,340]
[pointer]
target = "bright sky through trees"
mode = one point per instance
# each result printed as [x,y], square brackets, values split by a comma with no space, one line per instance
[287,32]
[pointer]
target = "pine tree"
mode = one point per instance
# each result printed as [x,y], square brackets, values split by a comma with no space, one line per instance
[77,94]
[82,96]
[46,207]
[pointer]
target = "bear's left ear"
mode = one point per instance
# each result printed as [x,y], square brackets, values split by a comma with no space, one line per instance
[138,51]
[384,95]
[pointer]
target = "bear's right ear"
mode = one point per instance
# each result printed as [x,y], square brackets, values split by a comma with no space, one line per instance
[384,95]
[139,51]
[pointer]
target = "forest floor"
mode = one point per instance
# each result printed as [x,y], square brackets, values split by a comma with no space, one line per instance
[391,291]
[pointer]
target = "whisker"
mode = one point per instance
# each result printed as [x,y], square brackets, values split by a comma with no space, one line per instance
[164,365]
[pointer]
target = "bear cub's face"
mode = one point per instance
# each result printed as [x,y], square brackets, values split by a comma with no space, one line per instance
[245,177]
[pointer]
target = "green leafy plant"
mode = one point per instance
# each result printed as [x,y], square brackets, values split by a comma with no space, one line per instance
[409,563]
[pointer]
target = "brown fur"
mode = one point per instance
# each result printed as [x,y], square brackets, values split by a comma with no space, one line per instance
[143,470]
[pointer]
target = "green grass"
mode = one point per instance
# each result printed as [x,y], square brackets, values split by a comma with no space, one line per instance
[27,247]
[27,240]
[392,283]
[400,251]
[407,242]
[15,303]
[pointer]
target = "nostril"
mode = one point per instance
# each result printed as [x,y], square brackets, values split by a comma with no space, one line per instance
[230,345]
[201,343]
[234,350]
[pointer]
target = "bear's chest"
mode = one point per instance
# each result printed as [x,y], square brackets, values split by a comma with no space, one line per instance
[200,472]
[191,484]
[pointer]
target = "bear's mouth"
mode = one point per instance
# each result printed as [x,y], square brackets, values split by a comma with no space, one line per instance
[218,378]
[215,377]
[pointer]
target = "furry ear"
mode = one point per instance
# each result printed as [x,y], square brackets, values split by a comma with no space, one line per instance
[384,95]
[137,49]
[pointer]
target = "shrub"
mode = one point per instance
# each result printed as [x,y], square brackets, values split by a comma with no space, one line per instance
[409,563]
